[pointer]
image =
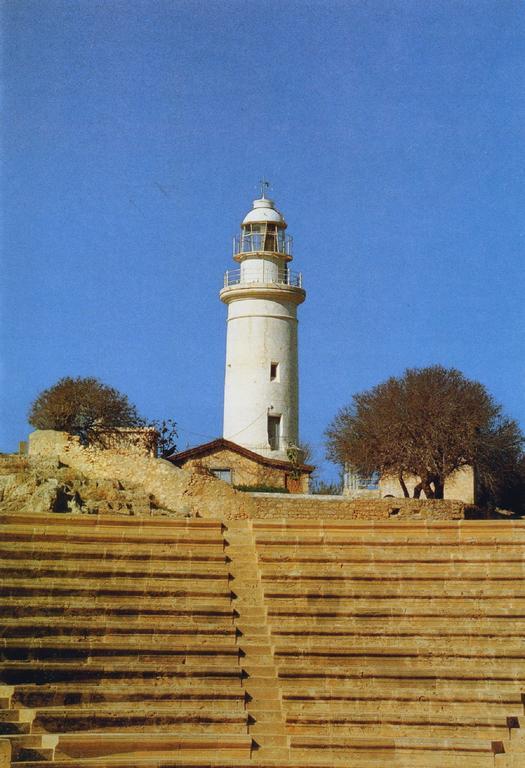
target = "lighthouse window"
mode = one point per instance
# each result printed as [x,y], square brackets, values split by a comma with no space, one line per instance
[274,432]
[269,240]
[274,371]
[252,238]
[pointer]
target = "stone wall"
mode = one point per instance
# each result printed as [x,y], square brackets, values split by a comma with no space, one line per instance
[175,490]
[272,505]
[125,440]
[245,471]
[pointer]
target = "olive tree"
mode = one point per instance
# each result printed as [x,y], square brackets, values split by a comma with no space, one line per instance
[427,423]
[78,405]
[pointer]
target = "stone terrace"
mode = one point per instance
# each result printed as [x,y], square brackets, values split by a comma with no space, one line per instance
[118,639]
[398,642]
[129,641]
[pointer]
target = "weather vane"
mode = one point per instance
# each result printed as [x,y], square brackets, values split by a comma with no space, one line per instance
[265,185]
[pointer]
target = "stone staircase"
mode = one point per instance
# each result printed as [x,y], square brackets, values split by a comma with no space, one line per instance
[264,704]
[155,642]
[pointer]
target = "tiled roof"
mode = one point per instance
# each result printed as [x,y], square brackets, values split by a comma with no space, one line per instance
[221,444]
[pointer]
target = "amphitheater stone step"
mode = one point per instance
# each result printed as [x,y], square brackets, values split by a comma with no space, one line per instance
[154,642]
[417,751]
[221,692]
[17,720]
[23,746]
[100,745]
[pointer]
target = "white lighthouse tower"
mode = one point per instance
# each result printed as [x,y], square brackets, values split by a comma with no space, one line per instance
[261,392]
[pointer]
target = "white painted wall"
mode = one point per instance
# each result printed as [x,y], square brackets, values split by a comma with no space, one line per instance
[262,270]
[262,329]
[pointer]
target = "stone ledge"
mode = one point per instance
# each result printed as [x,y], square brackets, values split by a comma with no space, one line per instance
[281,505]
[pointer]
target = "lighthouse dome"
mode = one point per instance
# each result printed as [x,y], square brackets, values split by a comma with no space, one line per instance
[263,210]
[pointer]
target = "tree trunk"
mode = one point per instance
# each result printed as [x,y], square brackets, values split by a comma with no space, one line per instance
[403,486]
[439,485]
[425,486]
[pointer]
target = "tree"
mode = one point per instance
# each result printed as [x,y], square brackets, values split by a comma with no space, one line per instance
[80,406]
[511,494]
[428,423]
[166,430]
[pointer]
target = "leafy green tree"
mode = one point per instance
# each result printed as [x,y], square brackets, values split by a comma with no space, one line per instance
[428,423]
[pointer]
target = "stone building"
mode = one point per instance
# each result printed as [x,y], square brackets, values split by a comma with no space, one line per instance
[460,486]
[241,467]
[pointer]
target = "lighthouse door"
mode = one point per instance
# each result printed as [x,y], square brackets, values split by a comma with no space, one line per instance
[293,484]
[274,432]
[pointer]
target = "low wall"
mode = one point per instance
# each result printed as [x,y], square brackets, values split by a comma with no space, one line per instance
[280,505]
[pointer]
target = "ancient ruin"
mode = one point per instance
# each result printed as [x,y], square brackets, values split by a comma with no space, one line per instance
[160,618]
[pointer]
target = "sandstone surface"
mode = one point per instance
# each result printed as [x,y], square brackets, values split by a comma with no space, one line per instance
[154,618]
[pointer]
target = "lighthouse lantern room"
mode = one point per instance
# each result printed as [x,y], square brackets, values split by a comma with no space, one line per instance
[261,392]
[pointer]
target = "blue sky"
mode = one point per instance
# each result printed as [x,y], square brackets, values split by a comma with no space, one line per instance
[133,137]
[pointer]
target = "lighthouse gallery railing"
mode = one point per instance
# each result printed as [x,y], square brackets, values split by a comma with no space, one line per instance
[265,276]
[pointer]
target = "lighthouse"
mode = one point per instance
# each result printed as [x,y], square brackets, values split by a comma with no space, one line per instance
[262,293]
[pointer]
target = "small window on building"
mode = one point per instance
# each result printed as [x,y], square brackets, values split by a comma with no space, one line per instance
[223,474]
[274,432]
[274,371]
